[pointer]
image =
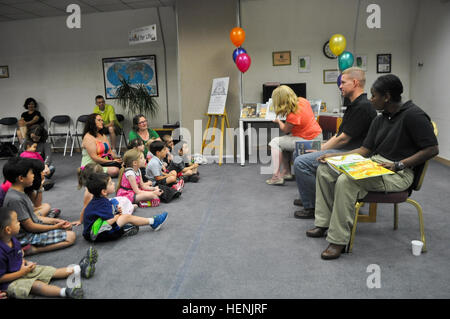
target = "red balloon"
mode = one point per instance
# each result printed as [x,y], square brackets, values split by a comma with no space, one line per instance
[243,62]
[237,36]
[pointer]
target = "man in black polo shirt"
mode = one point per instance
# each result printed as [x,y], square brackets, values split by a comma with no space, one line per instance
[400,138]
[355,124]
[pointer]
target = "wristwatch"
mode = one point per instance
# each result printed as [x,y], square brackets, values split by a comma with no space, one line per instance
[399,166]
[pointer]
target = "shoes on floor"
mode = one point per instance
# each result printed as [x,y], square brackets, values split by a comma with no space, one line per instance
[75,293]
[333,251]
[305,213]
[159,220]
[288,177]
[279,181]
[54,213]
[130,230]
[317,232]
[87,264]
[48,184]
[298,202]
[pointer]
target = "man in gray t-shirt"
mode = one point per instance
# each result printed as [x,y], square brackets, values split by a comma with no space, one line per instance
[23,206]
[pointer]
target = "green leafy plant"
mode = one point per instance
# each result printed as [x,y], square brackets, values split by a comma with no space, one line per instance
[136,100]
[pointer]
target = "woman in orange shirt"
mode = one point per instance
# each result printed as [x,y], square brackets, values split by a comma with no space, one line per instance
[300,125]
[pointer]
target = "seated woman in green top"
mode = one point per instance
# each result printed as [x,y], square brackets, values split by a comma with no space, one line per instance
[143,132]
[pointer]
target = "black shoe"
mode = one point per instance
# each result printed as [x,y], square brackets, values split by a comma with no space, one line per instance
[298,202]
[317,232]
[48,185]
[305,213]
[194,178]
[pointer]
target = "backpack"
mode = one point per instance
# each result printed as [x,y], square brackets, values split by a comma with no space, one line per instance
[8,149]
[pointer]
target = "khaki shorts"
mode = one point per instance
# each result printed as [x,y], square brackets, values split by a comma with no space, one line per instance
[287,142]
[21,288]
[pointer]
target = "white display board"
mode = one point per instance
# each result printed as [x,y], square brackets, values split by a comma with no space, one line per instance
[218,97]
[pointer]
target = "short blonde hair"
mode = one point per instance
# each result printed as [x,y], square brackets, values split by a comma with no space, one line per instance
[284,100]
[357,74]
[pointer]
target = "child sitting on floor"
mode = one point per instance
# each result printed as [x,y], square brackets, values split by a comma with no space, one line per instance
[42,233]
[130,184]
[19,277]
[30,147]
[138,144]
[83,174]
[99,222]
[155,171]
[182,164]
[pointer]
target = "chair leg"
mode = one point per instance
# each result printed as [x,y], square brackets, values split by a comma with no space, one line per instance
[395,216]
[422,228]
[355,221]
[65,145]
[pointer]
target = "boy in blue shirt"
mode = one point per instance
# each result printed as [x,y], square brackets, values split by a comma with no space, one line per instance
[99,222]
[19,277]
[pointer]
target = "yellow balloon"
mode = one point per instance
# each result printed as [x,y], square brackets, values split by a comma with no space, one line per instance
[337,44]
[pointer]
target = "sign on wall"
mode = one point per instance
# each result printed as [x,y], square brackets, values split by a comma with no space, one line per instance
[142,35]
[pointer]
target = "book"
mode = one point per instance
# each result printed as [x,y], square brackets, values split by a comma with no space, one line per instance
[301,147]
[249,110]
[357,166]
[315,106]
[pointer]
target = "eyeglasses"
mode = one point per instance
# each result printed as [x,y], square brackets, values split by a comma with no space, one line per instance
[142,122]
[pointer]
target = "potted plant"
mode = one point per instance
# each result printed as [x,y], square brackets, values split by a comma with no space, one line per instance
[136,99]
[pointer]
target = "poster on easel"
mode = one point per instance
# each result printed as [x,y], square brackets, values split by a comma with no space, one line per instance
[218,96]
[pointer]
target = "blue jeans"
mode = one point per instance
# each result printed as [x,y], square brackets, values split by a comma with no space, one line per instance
[305,167]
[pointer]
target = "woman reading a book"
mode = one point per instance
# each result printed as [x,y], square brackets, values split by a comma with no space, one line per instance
[300,125]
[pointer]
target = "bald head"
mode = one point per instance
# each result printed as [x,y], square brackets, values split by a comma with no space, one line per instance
[358,74]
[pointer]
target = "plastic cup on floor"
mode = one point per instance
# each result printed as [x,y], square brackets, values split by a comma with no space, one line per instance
[416,247]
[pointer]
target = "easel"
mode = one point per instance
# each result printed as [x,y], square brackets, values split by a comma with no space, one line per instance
[213,136]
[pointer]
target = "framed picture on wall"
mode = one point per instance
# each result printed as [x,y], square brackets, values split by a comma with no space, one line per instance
[330,76]
[281,58]
[384,63]
[137,70]
[4,72]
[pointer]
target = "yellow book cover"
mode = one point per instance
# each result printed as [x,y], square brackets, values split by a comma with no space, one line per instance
[357,166]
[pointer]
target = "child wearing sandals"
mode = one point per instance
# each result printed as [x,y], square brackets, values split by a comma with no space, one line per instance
[99,222]
[19,277]
[130,182]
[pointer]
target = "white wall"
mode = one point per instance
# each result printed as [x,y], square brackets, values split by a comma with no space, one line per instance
[430,83]
[303,26]
[62,68]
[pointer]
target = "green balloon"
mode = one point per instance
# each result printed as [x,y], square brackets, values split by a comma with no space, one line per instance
[345,60]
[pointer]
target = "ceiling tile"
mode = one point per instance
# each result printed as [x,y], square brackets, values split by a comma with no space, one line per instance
[143,4]
[95,3]
[112,7]
[39,9]
[62,4]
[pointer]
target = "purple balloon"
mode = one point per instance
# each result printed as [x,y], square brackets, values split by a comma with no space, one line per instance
[243,62]
[238,51]
[339,80]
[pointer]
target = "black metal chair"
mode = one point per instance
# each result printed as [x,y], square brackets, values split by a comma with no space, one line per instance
[80,119]
[60,120]
[9,121]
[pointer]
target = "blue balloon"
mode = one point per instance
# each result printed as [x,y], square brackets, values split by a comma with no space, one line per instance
[238,51]
[339,80]
[345,60]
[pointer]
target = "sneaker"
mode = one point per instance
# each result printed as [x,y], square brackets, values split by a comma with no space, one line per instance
[75,293]
[288,177]
[194,178]
[159,220]
[130,230]
[48,185]
[305,213]
[179,186]
[87,264]
[54,213]
[279,181]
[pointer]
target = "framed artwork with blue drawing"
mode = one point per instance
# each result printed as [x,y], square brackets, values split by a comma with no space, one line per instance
[136,70]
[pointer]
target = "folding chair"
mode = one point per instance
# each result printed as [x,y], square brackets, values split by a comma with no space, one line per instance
[80,119]
[59,120]
[121,118]
[9,121]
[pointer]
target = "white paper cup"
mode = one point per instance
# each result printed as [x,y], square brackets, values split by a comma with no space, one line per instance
[416,247]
